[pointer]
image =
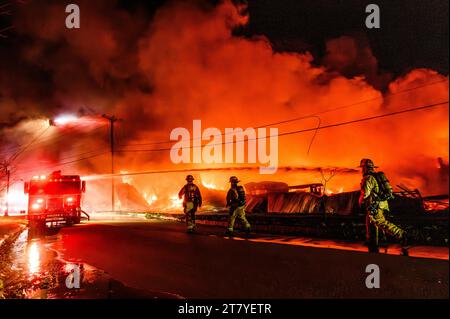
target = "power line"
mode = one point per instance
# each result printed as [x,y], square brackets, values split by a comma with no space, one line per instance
[386,96]
[368,118]
[73,161]
[357,103]
[112,120]
[59,136]
[301,131]
[341,170]
[81,159]
[66,163]
[11,160]
[36,145]
[70,129]
[76,155]
[21,151]
[80,154]
[4,153]
[419,108]
[45,141]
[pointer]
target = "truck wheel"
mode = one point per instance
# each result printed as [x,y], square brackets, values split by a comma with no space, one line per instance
[36,224]
[72,221]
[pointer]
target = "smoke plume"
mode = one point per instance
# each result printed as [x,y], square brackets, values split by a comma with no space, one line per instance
[161,71]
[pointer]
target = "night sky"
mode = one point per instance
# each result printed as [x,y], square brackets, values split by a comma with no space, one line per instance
[413,34]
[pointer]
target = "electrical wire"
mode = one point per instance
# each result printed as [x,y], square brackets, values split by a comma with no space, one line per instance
[301,131]
[419,108]
[21,151]
[313,115]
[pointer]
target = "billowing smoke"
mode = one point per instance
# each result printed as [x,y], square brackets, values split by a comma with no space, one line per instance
[183,63]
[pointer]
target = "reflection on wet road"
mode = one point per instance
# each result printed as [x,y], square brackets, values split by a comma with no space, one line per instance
[96,260]
[33,258]
[37,272]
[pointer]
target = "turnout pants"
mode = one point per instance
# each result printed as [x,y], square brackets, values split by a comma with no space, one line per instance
[375,221]
[190,209]
[238,212]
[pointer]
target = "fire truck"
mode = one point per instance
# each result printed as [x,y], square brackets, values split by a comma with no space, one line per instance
[54,199]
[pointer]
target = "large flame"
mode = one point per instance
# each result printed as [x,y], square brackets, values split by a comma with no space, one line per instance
[176,203]
[189,65]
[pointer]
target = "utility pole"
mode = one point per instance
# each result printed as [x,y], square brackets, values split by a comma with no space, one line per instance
[112,119]
[5,169]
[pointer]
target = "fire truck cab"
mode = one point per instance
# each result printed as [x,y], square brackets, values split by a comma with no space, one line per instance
[54,199]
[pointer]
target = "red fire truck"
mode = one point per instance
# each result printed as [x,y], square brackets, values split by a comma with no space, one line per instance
[54,199]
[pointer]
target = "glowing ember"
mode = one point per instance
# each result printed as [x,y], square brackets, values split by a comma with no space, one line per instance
[331,192]
[126,179]
[150,199]
[210,182]
[209,185]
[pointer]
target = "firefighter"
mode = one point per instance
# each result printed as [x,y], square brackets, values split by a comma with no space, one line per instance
[236,202]
[192,200]
[375,193]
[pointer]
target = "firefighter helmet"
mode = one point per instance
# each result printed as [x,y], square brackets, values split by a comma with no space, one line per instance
[367,162]
[234,180]
[190,178]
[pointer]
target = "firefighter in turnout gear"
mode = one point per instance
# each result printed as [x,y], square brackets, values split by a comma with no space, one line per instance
[375,193]
[236,202]
[192,199]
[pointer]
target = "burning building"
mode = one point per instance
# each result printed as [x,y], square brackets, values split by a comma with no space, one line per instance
[188,61]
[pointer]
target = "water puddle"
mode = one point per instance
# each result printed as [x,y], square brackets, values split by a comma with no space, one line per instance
[33,270]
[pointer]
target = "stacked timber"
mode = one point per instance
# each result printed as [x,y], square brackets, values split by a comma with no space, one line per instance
[293,202]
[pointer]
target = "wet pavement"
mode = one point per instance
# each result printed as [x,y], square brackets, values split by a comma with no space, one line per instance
[131,257]
[31,269]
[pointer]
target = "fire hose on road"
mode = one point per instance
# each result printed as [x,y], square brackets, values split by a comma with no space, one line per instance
[87,215]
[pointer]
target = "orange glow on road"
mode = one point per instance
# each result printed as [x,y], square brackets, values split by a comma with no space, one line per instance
[34,258]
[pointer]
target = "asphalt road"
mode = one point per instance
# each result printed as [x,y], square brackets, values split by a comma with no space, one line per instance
[159,256]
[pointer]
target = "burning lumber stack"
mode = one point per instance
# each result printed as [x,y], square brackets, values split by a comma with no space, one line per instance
[276,198]
[294,202]
[342,204]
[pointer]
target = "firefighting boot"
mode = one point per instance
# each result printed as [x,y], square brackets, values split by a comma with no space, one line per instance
[405,251]
[373,248]
[405,245]
[228,232]
[247,231]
